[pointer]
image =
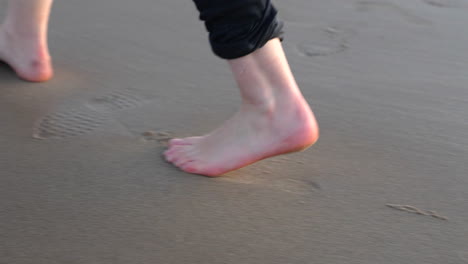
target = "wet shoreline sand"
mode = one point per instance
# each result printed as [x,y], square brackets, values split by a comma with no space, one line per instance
[386,79]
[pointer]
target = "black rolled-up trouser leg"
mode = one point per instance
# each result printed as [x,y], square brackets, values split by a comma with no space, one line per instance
[239,27]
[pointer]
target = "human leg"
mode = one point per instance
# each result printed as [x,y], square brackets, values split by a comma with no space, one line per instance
[274,118]
[23,39]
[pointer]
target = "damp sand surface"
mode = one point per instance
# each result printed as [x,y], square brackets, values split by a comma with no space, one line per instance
[83,181]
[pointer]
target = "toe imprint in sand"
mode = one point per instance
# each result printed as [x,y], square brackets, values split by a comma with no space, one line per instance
[159,136]
[414,210]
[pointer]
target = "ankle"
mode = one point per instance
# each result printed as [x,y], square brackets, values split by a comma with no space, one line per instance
[33,44]
[281,111]
[12,32]
[266,106]
[284,117]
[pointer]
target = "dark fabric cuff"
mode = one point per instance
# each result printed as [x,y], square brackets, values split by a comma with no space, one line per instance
[242,29]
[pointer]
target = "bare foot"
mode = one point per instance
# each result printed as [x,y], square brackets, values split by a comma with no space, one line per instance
[249,136]
[28,57]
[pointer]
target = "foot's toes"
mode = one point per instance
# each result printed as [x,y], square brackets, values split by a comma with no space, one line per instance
[176,141]
[182,161]
[174,148]
[170,155]
[167,156]
[177,154]
[190,167]
[183,141]
[197,167]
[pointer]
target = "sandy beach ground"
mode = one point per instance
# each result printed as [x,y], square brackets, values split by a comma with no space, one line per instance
[82,180]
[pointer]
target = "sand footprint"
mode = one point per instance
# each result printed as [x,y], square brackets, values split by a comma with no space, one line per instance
[116,101]
[324,41]
[445,3]
[367,6]
[86,117]
[66,124]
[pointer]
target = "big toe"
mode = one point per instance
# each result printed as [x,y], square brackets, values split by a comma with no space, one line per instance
[176,153]
[183,141]
[197,167]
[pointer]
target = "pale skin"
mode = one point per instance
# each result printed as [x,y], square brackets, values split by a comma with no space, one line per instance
[273,119]
[23,39]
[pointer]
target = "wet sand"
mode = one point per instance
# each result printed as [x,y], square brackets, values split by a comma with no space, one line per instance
[83,181]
